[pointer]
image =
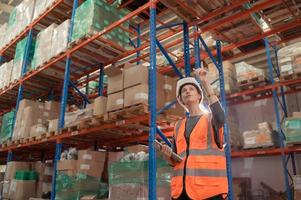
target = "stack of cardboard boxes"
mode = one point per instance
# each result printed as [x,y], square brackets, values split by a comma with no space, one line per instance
[80,176]
[246,72]
[23,187]
[229,77]
[292,127]
[263,137]
[33,117]
[130,86]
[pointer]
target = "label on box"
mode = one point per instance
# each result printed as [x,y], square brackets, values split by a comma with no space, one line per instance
[167,87]
[87,157]
[141,96]
[84,167]
[251,140]
[119,102]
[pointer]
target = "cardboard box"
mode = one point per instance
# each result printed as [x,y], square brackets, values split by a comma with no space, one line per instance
[42,188]
[53,125]
[90,167]
[91,162]
[45,171]
[169,87]
[5,191]
[115,101]
[115,79]
[139,94]
[66,165]
[100,106]
[91,155]
[14,166]
[52,106]
[37,130]
[21,189]
[135,75]
[297,114]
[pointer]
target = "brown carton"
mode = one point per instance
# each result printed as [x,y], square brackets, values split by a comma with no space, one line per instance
[37,130]
[14,166]
[297,114]
[115,101]
[135,75]
[44,170]
[139,94]
[65,165]
[91,155]
[90,167]
[22,189]
[115,79]
[53,125]
[53,106]
[100,106]
[43,187]
[5,191]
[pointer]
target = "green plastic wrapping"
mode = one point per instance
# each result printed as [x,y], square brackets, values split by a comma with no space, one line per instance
[7,126]
[137,172]
[12,17]
[74,187]
[292,130]
[93,16]
[19,54]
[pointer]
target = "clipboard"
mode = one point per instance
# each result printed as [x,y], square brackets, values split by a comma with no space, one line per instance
[174,156]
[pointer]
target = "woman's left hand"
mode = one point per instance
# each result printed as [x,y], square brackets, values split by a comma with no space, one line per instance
[201,73]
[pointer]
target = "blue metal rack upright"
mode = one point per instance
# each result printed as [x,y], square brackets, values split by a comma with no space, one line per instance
[278,121]
[58,146]
[152,194]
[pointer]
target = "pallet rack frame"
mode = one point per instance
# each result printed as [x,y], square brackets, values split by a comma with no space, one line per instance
[153,43]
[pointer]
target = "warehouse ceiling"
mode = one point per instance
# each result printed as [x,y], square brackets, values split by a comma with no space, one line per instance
[6,7]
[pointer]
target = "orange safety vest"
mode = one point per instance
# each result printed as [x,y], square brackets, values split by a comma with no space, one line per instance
[205,171]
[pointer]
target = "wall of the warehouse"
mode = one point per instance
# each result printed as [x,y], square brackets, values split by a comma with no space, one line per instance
[262,169]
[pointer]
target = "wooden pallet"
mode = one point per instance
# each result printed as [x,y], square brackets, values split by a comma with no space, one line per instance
[252,82]
[71,128]
[128,112]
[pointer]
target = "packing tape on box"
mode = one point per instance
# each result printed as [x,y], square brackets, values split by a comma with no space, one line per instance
[84,166]
[141,95]
[87,157]
[119,102]
[167,87]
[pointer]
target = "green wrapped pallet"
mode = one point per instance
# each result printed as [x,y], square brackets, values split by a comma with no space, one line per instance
[7,126]
[292,130]
[93,16]
[137,172]
[20,51]
[74,187]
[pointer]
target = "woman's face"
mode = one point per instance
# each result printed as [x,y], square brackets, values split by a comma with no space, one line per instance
[190,95]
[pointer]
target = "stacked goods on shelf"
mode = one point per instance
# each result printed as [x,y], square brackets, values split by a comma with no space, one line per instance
[3,28]
[6,74]
[93,16]
[79,174]
[170,84]
[262,137]
[45,172]
[247,73]
[19,57]
[297,64]
[43,46]
[10,183]
[75,117]
[19,19]
[292,127]
[126,89]
[128,178]
[297,187]
[59,42]
[229,77]
[7,126]
[33,117]
[41,7]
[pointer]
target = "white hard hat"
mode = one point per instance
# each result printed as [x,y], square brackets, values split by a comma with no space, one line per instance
[185,81]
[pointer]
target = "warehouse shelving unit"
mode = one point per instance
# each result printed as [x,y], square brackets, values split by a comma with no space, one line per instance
[70,64]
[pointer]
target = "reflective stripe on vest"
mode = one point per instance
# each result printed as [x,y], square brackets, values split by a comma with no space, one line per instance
[205,173]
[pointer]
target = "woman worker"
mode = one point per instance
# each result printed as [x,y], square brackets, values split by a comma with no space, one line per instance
[198,139]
